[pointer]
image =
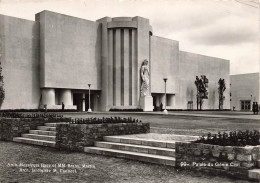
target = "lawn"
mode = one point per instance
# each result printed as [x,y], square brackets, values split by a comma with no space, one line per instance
[99,168]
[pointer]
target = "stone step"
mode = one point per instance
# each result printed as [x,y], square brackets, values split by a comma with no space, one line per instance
[137,148]
[34,141]
[150,158]
[40,137]
[46,128]
[137,141]
[254,174]
[50,124]
[42,132]
[54,124]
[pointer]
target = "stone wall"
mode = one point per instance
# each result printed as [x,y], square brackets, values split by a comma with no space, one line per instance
[77,136]
[14,127]
[214,159]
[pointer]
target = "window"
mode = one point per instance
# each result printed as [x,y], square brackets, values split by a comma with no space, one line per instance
[245,105]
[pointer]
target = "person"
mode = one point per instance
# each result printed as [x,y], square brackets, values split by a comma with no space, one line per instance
[45,108]
[145,78]
[63,106]
[254,108]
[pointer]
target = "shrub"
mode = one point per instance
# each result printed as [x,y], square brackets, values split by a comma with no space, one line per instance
[126,110]
[37,110]
[104,120]
[233,138]
[31,115]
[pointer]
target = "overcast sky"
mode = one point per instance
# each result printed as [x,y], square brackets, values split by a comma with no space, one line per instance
[226,29]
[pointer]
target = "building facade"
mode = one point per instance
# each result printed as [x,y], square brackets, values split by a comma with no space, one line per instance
[53,59]
[244,91]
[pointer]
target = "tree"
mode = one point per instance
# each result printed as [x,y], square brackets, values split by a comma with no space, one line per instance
[202,93]
[221,89]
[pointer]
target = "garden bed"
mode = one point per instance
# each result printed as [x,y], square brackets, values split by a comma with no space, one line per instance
[234,161]
[75,137]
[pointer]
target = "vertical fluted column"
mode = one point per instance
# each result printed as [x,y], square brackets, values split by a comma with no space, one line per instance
[117,62]
[126,67]
[110,67]
[135,92]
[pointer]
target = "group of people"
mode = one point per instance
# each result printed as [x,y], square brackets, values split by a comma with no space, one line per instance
[255,108]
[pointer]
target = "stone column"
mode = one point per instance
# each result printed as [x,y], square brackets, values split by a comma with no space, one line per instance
[105,95]
[135,91]
[126,68]
[117,56]
[171,100]
[162,100]
[48,96]
[66,97]
[83,102]
[110,68]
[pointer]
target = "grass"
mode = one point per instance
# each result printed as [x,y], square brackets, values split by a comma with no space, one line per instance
[107,169]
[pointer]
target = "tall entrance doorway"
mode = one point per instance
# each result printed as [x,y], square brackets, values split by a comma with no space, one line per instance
[81,100]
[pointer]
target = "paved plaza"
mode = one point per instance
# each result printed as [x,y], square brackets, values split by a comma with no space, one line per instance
[187,122]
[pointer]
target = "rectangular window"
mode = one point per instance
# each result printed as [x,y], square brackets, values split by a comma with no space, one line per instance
[245,105]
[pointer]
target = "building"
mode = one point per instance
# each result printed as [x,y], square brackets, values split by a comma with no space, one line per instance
[53,59]
[244,91]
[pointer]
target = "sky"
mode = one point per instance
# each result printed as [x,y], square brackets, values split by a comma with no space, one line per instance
[227,29]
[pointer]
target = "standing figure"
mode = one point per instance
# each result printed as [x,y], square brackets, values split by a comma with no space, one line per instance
[145,81]
[45,108]
[254,108]
[63,106]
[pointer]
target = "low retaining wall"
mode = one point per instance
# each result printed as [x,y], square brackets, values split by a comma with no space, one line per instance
[15,127]
[75,137]
[214,159]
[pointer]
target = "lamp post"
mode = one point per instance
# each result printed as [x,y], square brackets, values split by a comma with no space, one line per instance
[165,111]
[89,109]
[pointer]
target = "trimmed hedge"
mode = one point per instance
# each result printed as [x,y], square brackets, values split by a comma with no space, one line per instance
[104,120]
[233,138]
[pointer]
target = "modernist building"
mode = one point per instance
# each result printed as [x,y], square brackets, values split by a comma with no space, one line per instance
[244,91]
[53,59]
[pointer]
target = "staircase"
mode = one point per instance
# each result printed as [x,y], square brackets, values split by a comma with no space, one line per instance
[44,136]
[152,151]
